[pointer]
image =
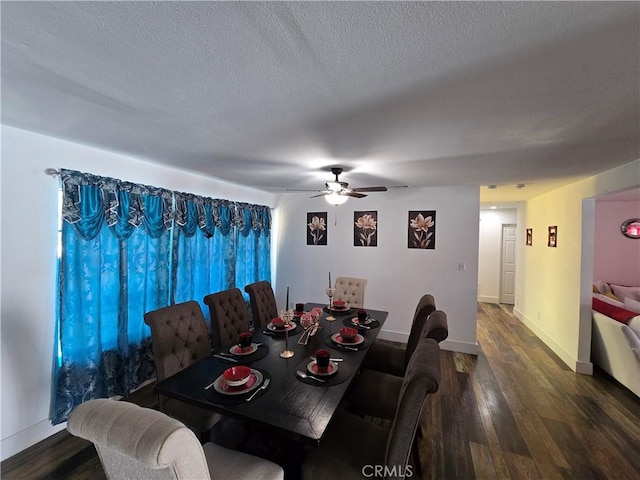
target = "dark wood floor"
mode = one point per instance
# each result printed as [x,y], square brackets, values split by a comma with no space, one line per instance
[515,411]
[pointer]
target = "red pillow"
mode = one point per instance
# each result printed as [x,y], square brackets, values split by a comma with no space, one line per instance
[617,313]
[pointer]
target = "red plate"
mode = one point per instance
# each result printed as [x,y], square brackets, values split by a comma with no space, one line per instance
[331,369]
[336,337]
[238,350]
[220,385]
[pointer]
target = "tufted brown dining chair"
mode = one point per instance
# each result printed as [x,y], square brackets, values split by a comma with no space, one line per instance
[350,290]
[353,447]
[263,303]
[392,359]
[229,317]
[140,443]
[180,338]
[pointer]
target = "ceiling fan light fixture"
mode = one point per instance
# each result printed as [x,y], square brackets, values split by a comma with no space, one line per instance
[336,199]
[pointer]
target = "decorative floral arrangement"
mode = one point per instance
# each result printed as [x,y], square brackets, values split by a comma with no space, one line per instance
[310,323]
[286,316]
[309,319]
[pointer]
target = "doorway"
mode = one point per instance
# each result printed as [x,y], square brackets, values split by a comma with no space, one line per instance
[508,265]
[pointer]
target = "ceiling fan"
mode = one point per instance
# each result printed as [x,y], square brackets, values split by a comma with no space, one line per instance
[337,192]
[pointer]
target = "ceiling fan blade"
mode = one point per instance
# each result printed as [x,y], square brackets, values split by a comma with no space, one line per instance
[355,194]
[370,189]
[303,190]
[320,195]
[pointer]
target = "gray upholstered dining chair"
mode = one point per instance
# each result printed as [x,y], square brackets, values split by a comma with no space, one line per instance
[179,338]
[229,317]
[263,303]
[375,393]
[393,359]
[140,443]
[350,290]
[352,444]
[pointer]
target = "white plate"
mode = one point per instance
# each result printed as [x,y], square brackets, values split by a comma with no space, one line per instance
[332,369]
[220,385]
[336,337]
[236,350]
[291,326]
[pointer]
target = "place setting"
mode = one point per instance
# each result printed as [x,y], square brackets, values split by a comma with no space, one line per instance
[338,307]
[362,321]
[245,351]
[236,385]
[321,370]
[278,327]
[347,339]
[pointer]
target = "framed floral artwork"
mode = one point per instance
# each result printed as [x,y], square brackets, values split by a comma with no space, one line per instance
[529,237]
[317,228]
[422,229]
[553,236]
[365,229]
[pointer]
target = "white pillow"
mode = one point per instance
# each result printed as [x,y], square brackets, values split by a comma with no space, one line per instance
[632,305]
[623,292]
[608,300]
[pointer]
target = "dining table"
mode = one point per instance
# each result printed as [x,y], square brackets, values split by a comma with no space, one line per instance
[300,407]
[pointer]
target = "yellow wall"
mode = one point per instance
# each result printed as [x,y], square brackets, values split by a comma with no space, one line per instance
[554,291]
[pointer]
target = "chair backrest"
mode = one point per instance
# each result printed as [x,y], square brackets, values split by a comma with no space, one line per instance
[136,442]
[421,378]
[425,307]
[351,290]
[179,337]
[436,326]
[263,303]
[229,317]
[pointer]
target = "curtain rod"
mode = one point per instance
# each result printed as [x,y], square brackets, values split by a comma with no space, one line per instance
[52,171]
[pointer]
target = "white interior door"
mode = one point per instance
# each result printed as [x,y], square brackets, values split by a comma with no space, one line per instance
[508,267]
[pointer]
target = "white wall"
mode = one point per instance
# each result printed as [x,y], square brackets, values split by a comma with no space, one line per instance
[29,241]
[555,287]
[490,251]
[616,257]
[397,276]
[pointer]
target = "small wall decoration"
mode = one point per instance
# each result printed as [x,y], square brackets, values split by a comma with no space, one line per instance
[422,229]
[529,236]
[553,236]
[631,228]
[365,229]
[316,228]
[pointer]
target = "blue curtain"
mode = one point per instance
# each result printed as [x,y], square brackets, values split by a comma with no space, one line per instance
[253,259]
[128,249]
[113,268]
[204,248]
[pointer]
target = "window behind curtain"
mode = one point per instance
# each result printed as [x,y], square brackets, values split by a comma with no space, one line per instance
[127,249]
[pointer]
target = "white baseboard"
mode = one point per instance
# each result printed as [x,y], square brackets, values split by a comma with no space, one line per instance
[392,336]
[29,436]
[450,345]
[460,347]
[485,299]
[584,368]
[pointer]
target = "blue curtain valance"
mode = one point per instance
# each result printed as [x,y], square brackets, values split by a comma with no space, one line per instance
[90,200]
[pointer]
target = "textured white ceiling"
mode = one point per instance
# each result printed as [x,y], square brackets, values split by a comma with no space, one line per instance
[270,94]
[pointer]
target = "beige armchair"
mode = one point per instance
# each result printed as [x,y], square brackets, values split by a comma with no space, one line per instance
[350,290]
[180,338]
[141,443]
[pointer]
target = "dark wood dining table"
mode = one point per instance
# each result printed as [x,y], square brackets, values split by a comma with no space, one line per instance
[302,410]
